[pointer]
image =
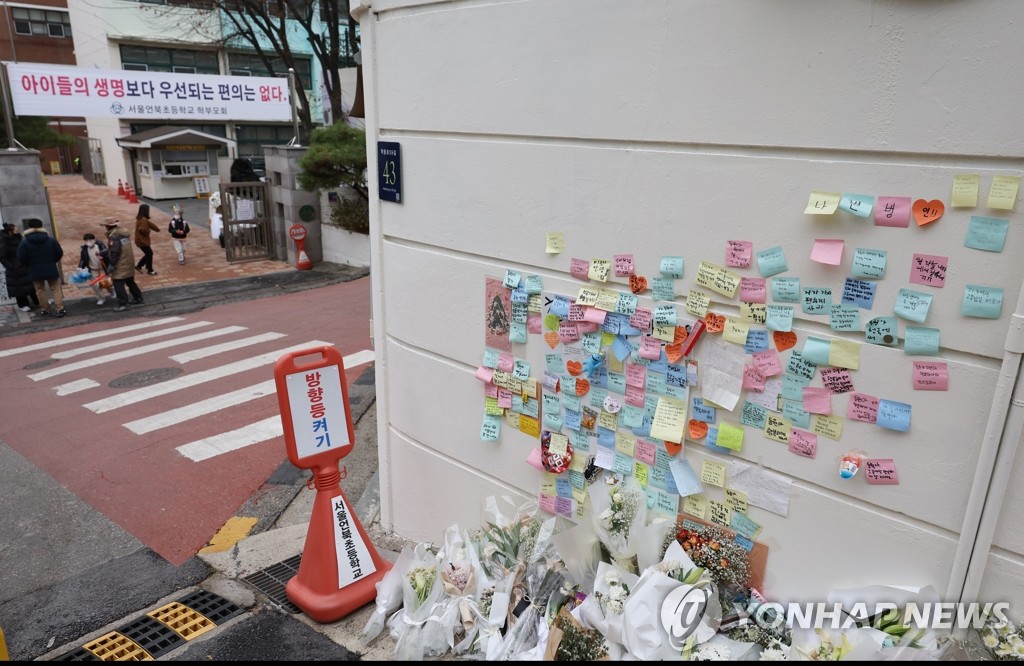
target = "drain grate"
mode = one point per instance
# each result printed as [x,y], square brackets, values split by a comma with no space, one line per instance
[215,608]
[81,654]
[117,647]
[182,619]
[272,580]
[153,636]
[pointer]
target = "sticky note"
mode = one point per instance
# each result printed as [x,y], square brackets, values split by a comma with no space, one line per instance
[490,428]
[779,317]
[669,420]
[753,290]
[912,305]
[986,233]
[772,261]
[599,269]
[892,212]
[794,412]
[757,341]
[730,437]
[822,203]
[777,428]
[828,251]
[817,400]
[800,367]
[881,472]
[858,292]
[767,362]
[816,350]
[882,331]
[623,265]
[869,263]
[696,505]
[928,269]
[697,303]
[921,341]
[984,302]
[844,354]
[512,279]
[555,243]
[860,205]
[893,415]
[844,317]
[712,473]
[1003,193]
[786,290]
[829,426]
[735,331]
[738,253]
[862,407]
[717,279]
[930,376]
[671,267]
[793,387]
[753,415]
[816,300]
[965,190]
[663,289]
[736,500]
[837,380]
[685,478]
[748,529]
[803,443]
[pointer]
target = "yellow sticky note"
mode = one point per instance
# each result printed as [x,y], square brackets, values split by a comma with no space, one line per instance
[608,420]
[777,428]
[607,338]
[712,473]
[965,190]
[697,303]
[534,303]
[669,420]
[823,203]
[664,332]
[625,443]
[720,513]
[559,444]
[599,269]
[555,242]
[729,436]
[512,419]
[614,364]
[587,296]
[529,425]
[756,313]
[736,500]
[696,505]
[717,279]
[829,426]
[579,494]
[844,354]
[607,300]
[548,485]
[578,463]
[736,331]
[640,473]
[491,407]
[1003,193]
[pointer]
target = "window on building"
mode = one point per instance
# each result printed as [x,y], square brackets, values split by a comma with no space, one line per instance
[167,60]
[41,22]
[253,64]
[252,138]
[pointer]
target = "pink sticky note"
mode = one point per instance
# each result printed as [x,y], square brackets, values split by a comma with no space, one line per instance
[547,503]
[504,398]
[635,396]
[737,253]
[536,459]
[490,391]
[803,443]
[534,323]
[485,374]
[929,270]
[862,407]
[576,312]
[817,400]
[881,472]
[641,319]
[837,380]
[580,268]
[594,316]
[650,348]
[828,251]
[752,378]
[623,265]
[583,327]
[506,362]
[892,212]
[931,376]
[567,332]
[753,290]
[767,362]
[636,375]
[645,451]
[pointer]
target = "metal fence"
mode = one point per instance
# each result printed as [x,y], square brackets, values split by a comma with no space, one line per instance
[248,231]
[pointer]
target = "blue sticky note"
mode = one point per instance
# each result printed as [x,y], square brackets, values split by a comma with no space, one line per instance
[882,331]
[559,307]
[572,402]
[670,482]
[744,543]
[816,351]
[786,290]
[520,312]
[521,370]
[986,233]
[869,263]
[597,396]
[572,420]
[552,363]
[631,416]
[794,411]
[530,407]
[844,317]
[591,343]
[703,412]
[753,415]
[623,464]
[617,383]
[672,267]
[654,383]
[893,415]
[512,279]
[984,302]
[912,305]
[621,348]
[859,292]
[743,525]
[677,392]
[568,385]
[650,405]
[684,477]
[772,261]
[491,357]
[580,441]
[661,365]
[563,486]
[793,387]
[921,341]
[676,376]
[490,428]
[664,289]
[816,300]
[552,402]
[779,318]
[625,304]
[517,331]
[519,295]
[710,443]
[605,437]
[517,403]
[757,341]
[858,204]
[612,324]
[533,284]
[577,479]
[599,376]
[553,421]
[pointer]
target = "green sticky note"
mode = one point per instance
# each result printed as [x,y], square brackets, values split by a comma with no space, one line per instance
[794,411]
[772,261]
[517,331]
[921,341]
[869,263]
[779,317]
[490,428]
[882,331]
[986,233]
[793,387]
[663,289]
[912,305]
[844,317]
[729,436]
[672,267]
[786,290]
[816,351]
[817,300]
[984,302]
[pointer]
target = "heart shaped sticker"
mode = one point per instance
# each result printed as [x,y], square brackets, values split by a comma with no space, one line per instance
[714,323]
[575,368]
[637,284]
[673,448]
[784,340]
[582,386]
[674,352]
[698,429]
[926,212]
[551,337]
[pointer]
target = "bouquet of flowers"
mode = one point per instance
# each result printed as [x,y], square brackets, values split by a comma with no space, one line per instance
[714,550]
[568,640]
[619,510]
[389,597]
[541,578]
[463,582]
[417,627]
[492,612]
[603,609]
[510,535]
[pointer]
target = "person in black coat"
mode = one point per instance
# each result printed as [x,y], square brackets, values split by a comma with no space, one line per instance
[19,284]
[42,254]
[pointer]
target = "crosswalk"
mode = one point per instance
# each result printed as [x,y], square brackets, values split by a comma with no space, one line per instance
[173,339]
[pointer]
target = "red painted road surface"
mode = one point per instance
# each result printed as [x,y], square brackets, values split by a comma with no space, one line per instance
[171,503]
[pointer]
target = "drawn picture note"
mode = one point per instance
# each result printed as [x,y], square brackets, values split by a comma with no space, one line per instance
[828,251]
[980,301]
[822,203]
[892,212]
[965,190]
[986,233]
[881,472]
[931,376]
[1003,193]
[738,253]
[928,269]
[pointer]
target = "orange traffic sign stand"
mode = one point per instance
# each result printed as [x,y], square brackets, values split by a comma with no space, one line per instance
[340,566]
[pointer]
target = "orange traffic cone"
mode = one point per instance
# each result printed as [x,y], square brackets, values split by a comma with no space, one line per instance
[131,195]
[120,188]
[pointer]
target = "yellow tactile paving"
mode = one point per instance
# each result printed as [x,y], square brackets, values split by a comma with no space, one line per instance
[117,647]
[236,529]
[186,622]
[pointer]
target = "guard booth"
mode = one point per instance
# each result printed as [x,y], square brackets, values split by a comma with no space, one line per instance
[174,162]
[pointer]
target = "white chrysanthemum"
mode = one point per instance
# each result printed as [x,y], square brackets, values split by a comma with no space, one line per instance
[1018,650]
[615,606]
[990,640]
[774,654]
[611,577]
[1015,640]
[712,653]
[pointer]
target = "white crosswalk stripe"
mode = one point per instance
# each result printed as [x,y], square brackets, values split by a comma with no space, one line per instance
[76,386]
[105,333]
[104,346]
[201,408]
[254,433]
[196,354]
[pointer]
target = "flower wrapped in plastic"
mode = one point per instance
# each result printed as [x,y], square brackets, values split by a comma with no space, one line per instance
[541,578]
[619,511]
[603,608]
[568,640]
[508,531]
[492,614]
[464,582]
[417,627]
[580,552]
[853,644]
[389,597]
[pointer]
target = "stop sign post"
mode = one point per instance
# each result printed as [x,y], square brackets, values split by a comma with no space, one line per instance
[340,566]
[297,232]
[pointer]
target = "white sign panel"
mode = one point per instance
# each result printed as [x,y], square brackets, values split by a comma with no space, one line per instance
[319,421]
[57,90]
[354,560]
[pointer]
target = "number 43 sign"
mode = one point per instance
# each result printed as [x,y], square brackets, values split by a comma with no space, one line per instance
[389,171]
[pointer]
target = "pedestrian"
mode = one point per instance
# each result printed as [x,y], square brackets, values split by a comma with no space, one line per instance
[92,259]
[143,225]
[178,228]
[120,260]
[42,254]
[19,284]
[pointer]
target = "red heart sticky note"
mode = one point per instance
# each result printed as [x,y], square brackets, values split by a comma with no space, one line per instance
[698,429]
[714,323]
[551,337]
[575,368]
[674,352]
[673,448]
[582,386]
[637,284]
[926,212]
[784,340]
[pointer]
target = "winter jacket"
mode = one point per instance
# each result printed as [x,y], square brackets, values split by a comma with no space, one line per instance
[83,260]
[120,255]
[41,254]
[143,226]
[178,228]
[18,281]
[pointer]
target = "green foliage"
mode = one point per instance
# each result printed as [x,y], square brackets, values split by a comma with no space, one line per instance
[352,215]
[336,156]
[35,132]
